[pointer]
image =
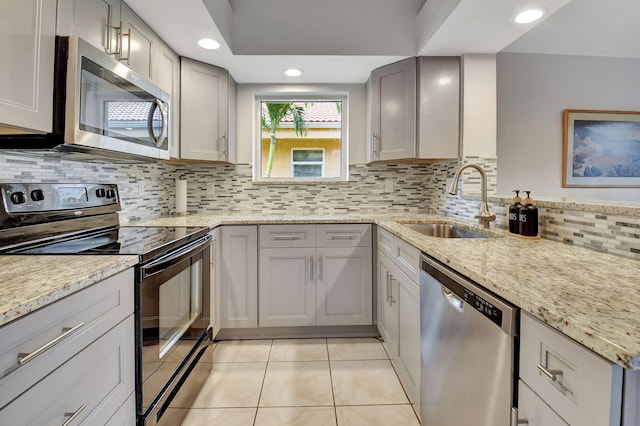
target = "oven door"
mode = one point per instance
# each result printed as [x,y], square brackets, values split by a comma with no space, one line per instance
[172,324]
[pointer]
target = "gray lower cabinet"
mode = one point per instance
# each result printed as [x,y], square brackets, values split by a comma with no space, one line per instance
[72,357]
[568,380]
[239,276]
[398,309]
[92,385]
[315,275]
[534,411]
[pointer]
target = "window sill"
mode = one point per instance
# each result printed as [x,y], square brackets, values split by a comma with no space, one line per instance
[300,182]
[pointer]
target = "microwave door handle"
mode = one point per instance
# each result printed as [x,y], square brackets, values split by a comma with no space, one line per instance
[157,141]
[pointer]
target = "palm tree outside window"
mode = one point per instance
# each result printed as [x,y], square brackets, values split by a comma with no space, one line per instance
[301,139]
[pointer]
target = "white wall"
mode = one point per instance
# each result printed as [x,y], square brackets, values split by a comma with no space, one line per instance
[247,118]
[533,91]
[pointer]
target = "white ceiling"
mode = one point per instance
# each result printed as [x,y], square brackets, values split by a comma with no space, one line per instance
[341,41]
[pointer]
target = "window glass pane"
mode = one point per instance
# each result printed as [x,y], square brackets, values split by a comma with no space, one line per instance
[307,170]
[295,132]
[308,155]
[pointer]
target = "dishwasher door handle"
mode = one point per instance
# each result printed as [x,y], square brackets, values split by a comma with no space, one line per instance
[455,301]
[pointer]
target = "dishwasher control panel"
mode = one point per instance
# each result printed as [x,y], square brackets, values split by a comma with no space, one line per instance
[483,306]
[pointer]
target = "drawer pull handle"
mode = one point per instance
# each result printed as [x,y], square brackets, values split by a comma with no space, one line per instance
[24,358]
[288,237]
[72,416]
[343,237]
[555,376]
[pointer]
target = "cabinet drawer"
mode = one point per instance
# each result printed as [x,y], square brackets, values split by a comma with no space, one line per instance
[126,414]
[100,378]
[579,385]
[99,308]
[407,258]
[533,410]
[385,241]
[344,235]
[287,236]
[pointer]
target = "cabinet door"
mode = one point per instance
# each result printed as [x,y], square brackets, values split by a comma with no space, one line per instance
[287,287]
[387,310]
[136,42]
[27,40]
[408,361]
[393,111]
[344,293]
[215,281]
[203,104]
[95,21]
[439,107]
[238,277]
[166,74]
[532,411]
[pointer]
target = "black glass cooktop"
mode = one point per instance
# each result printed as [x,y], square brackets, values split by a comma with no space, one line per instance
[123,240]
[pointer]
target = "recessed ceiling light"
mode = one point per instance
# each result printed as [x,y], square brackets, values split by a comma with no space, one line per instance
[208,43]
[528,16]
[293,72]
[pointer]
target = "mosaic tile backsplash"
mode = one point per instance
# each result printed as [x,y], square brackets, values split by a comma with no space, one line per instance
[147,191]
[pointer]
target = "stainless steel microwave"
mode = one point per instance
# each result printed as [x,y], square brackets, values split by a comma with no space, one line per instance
[101,108]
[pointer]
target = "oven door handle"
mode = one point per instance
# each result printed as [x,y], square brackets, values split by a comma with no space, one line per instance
[178,256]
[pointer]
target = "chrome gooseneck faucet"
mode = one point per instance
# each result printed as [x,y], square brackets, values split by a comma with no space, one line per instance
[485,216]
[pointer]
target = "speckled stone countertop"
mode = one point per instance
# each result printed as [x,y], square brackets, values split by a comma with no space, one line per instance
[591,297]
[31,282]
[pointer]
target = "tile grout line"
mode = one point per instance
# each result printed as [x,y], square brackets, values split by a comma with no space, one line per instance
[264,376]
[333,394]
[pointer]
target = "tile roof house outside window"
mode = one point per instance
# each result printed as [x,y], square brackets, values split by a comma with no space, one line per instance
[318,154]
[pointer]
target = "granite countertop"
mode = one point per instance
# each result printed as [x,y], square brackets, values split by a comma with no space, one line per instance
[591,297]
[31,282]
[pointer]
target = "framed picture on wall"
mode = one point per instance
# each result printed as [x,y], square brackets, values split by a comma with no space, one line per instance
[601,149]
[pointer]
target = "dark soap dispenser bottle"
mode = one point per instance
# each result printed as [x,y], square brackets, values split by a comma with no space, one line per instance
[528,217]
[514,213]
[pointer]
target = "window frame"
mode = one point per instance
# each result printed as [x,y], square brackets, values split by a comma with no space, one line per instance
[324,96]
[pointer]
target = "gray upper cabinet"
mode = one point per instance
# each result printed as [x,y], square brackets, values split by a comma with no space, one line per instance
[137,42]
[96,21]
[438,107]
[414,110]
[166,74]
[393,111]
[27,31]
[207,110]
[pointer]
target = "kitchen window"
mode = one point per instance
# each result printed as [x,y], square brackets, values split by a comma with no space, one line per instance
[301,138]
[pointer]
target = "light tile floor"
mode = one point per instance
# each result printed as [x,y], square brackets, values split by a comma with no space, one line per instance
[293,382]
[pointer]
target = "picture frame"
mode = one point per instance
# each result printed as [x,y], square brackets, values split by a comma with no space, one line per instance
[601,149]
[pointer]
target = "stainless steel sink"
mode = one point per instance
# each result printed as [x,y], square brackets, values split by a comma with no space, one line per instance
[444,230]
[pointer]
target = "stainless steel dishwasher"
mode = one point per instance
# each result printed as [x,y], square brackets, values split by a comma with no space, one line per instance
[467,339]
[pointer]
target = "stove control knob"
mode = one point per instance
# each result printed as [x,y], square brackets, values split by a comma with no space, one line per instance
[18,198]
[100,193]
[37,195]
[111,193]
